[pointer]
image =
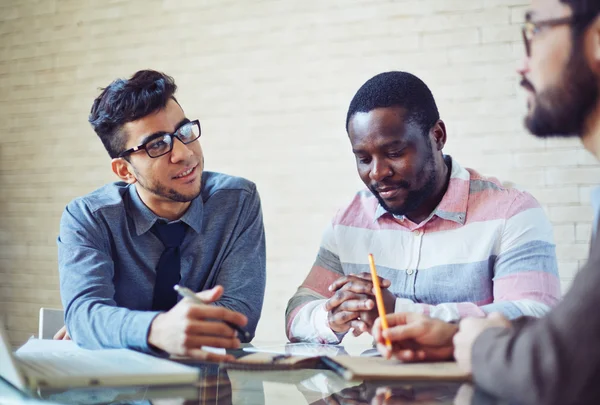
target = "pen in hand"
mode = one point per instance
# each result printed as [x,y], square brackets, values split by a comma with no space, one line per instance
[187,293]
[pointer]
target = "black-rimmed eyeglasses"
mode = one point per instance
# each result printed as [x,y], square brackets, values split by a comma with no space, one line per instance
[163,144]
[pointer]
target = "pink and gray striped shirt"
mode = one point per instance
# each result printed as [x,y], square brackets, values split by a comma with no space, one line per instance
[485,248]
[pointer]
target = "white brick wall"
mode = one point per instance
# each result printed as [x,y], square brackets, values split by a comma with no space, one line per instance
[270,81]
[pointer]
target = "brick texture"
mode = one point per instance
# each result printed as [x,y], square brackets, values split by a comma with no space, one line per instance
[271,81]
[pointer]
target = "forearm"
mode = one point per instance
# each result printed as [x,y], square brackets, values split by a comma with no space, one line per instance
[552,360]
[308,323]
[94,325]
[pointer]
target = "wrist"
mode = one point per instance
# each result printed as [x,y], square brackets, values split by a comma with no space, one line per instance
[155,332]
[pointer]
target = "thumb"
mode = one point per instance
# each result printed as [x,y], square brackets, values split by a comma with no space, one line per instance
[496,316]
[211,295]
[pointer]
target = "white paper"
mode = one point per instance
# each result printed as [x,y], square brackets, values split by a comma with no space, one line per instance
[48,345]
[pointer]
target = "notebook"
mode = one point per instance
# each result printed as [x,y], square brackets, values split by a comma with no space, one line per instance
[61,364]
[379,368]
[351,368]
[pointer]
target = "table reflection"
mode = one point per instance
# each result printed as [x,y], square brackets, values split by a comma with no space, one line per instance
[223,387]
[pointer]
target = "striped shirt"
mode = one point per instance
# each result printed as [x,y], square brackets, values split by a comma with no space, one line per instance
[485,248]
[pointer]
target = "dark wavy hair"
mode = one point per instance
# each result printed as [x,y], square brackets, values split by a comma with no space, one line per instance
[124,101]
[397,89]
[585,11]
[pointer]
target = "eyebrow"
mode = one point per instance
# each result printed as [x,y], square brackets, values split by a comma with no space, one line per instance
[396,143]
[161,133]
[528,15]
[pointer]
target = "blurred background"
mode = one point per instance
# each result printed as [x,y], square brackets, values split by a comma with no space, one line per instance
[270,81]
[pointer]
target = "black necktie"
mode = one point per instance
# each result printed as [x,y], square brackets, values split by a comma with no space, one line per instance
[168,271]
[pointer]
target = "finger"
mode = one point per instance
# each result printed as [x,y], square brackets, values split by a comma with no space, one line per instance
[339,297]
[435,353]
[208,356]
[216,312]
[358,303]
[383,282]
[404,332]
[60,334]
[358,328]
[339,283]
[196,342]
[211,295]
[406,355]
[342,317]
[210,328]
[385,352]
[401,318]
[67,336]
[369,317]
[358,286]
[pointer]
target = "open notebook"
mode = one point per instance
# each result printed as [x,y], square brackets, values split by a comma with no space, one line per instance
[349,367]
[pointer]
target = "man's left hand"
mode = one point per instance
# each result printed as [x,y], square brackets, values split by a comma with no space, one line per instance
[469,330]
[362,284]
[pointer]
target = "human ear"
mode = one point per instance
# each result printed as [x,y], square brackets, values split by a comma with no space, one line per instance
[122,168]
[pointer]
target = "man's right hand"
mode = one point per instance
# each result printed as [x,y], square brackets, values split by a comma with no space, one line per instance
[353,303]
[415,337]
[187,327]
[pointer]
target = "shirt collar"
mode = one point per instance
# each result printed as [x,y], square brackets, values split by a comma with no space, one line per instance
[144,218]
[453,206]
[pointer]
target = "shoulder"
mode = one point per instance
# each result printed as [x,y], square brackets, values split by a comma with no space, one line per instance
[507,198]
[213,182]
[359,212]
[109,196]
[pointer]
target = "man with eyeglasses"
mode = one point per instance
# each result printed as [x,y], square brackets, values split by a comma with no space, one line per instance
[123,247]
[556,359]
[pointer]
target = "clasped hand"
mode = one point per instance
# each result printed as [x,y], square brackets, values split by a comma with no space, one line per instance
[353,303]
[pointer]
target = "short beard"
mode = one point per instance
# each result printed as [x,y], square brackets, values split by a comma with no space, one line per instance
[415,198]
[562,110]
[160,190]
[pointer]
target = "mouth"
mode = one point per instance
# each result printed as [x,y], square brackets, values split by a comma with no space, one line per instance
[526,84]
[186,174]
[388,193]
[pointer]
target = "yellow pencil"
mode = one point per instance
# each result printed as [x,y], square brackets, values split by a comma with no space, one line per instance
[379,299]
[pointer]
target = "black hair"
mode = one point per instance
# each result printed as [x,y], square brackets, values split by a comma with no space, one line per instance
[585,12]
[124,101]
[397,89]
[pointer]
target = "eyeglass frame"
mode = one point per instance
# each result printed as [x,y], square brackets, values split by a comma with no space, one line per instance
[531,28]
[142,146]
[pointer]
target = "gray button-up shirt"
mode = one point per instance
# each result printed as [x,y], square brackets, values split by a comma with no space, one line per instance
[107,256]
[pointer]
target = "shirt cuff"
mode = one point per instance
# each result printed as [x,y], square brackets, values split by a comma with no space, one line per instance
[137,329]
[325,333]
[405,305]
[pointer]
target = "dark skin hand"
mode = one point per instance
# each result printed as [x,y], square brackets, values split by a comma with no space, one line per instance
[353,303]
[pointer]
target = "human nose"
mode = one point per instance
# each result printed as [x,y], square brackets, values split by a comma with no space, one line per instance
[180,151]
[379,170]
[523,67]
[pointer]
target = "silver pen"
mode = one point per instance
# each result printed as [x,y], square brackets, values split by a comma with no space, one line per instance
[187,293]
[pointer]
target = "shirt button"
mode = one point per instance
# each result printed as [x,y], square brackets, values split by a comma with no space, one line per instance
[418,233]
[410,271]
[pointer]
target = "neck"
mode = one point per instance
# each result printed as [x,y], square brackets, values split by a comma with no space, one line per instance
[171,210]
[443,179]
[591,132]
